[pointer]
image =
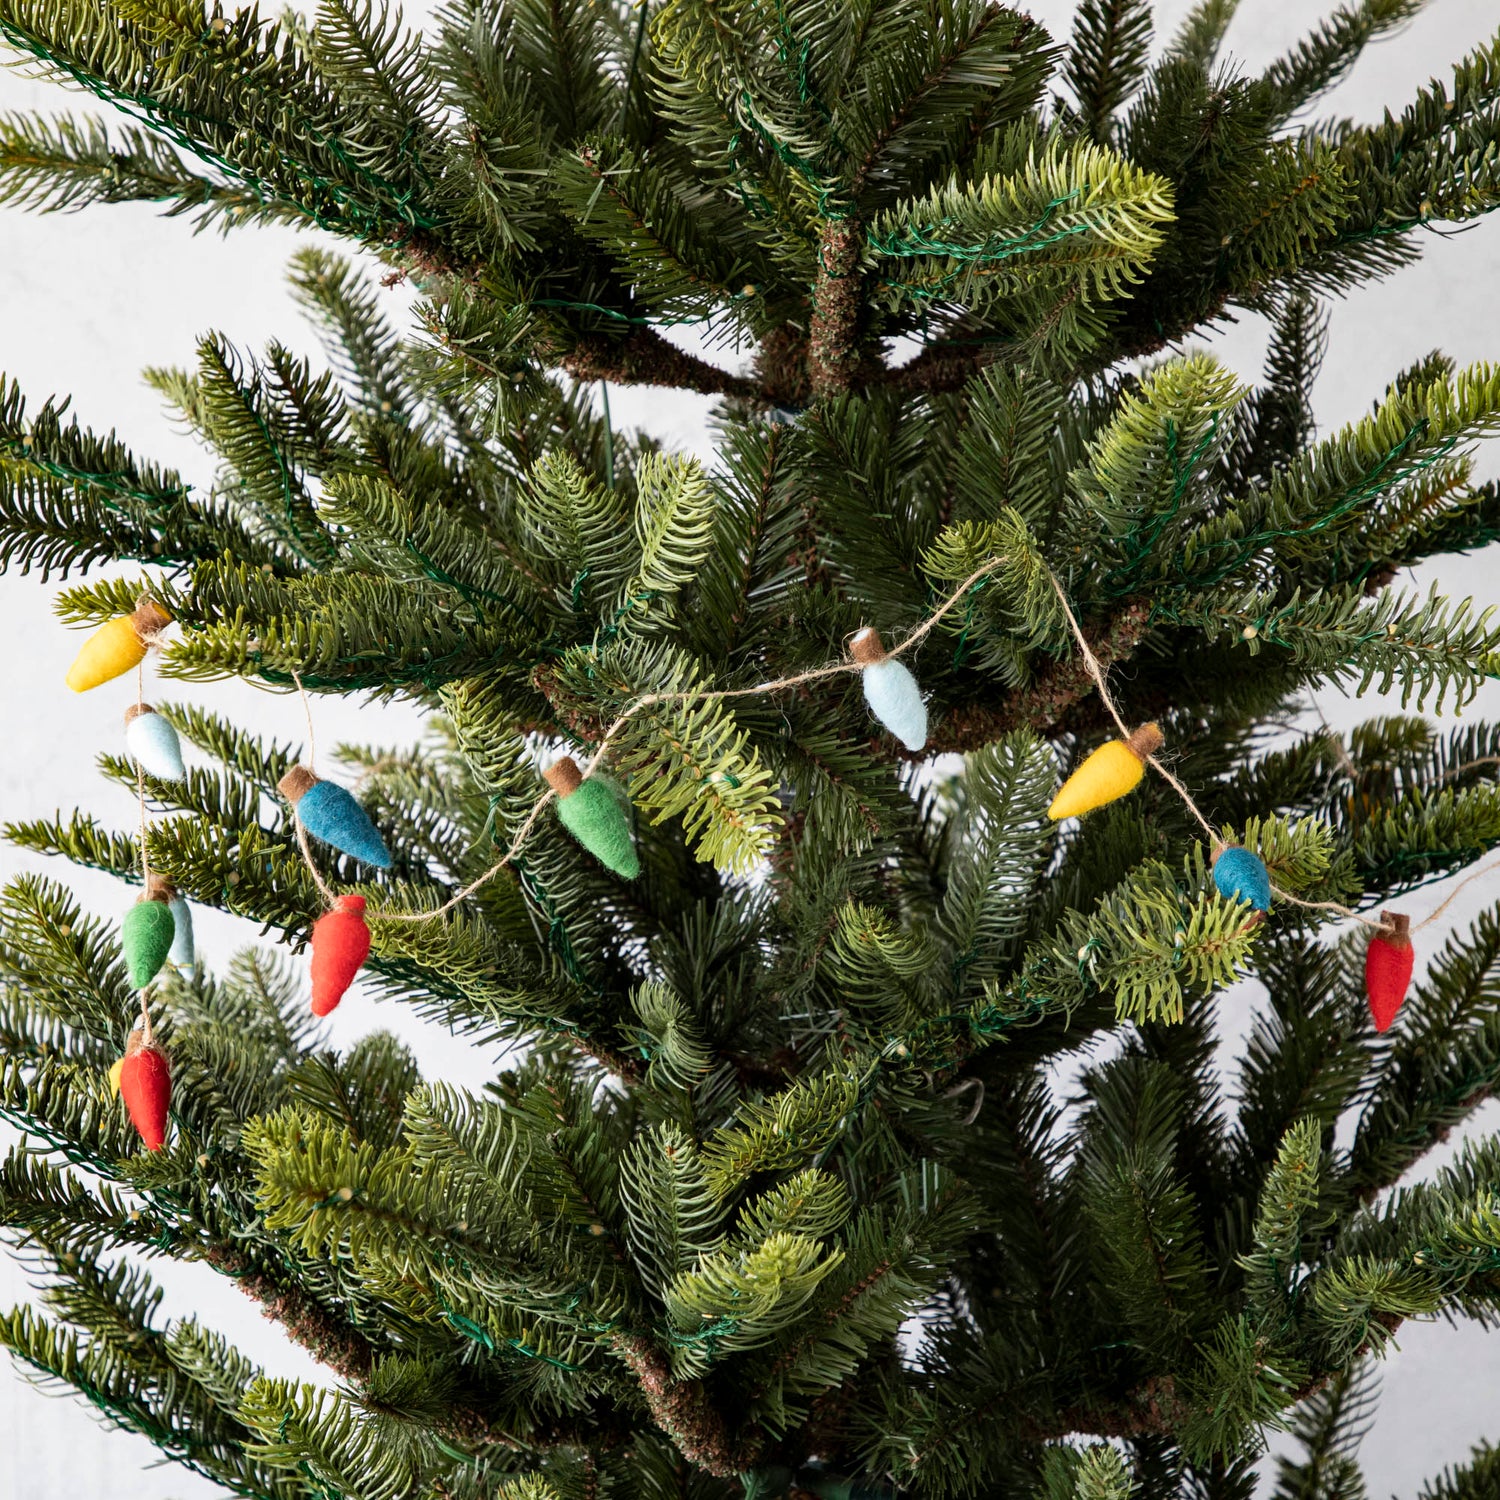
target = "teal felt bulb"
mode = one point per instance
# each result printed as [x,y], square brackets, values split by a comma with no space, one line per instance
[182,955]
[596,816]
[146,936]
[331,814]
[153,743]
[891,691]
[1240,875]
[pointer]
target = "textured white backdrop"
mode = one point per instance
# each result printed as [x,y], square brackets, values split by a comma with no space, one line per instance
[88,300]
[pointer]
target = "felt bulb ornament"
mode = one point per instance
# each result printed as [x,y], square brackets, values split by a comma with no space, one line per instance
[329,813]
[592,813]
[146,933]
[181,955]
[114,1076]
[1388,964]
[890,690]
[340,945]
[1240,875]
[1112,771]
[146,1088]
[153,743]
[117,646]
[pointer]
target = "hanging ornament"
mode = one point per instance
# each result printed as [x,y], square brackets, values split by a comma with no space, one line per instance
[117,646]
[329,813]
[181,955]
[153,743]
[1109,773]
[1242,876]
[146,1088]
[340,945]
[1388,964]
[147,931]
[593,815]
[114,1076]
[890,690]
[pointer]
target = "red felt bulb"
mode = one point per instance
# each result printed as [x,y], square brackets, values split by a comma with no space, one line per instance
[1388,964]
[340,945]
[146,1088]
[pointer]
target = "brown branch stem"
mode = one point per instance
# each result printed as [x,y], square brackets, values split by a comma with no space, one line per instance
[682,1410]
[644,357]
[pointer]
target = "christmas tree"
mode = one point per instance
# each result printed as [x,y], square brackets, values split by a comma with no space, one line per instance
[739,816]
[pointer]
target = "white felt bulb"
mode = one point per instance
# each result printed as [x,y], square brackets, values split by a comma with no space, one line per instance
[183,955]
[891,691]
[153,743]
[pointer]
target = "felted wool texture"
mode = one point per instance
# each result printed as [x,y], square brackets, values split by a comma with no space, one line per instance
[113,649]
[1388,970]
[1242,876]
[329,813]
[896,700]
[1112,771]
[146,1088]
[594,817]
[154,744]
[146,936]
[182,954]
[340,945]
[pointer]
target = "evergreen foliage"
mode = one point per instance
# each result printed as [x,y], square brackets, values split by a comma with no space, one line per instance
[774,1197]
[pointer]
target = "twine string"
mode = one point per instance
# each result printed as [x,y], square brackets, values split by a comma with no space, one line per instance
[140,793]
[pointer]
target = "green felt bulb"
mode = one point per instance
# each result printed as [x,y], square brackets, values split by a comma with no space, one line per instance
[146,936]
[594,815]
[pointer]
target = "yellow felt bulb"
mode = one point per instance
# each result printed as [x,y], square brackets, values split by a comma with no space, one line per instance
[1109,773]
[117,646]
[114,1075]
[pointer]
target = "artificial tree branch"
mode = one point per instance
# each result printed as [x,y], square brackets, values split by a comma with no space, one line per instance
[644,357]
[331,1342]
[682,1409]
[941,366]
[834,358]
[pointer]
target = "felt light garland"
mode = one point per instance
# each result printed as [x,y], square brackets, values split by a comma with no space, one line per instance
[594,814]
[340,945]
[146,933]
[146,1086]
[153,743]
[117,646]
[1111,772]
[589,810]
[890,690]
[1389,961]
[330,814]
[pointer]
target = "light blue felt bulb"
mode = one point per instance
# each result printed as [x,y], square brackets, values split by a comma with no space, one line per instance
[329,813]
[1242,876]
[891,691]
[153,743]
[182,955]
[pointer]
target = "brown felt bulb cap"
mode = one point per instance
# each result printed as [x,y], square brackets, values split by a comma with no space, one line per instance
[563,776]
[1146,741]
[136,710]
[1396,928]
[867,648]
[296,783]
[149,620]
[134,1042]
[159,889]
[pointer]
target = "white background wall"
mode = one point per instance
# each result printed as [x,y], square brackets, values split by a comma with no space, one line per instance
[87,300]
